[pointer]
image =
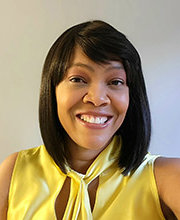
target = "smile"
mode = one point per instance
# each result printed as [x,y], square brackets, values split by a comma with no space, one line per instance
[94,119]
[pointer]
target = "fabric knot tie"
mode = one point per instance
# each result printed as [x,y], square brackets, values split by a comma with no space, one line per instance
[78,206]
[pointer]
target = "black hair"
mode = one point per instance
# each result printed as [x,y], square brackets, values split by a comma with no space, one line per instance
[101,43]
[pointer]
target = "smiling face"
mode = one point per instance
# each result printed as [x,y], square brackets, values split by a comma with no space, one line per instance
[92,101]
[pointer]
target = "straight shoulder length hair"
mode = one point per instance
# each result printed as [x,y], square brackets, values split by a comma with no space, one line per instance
[101,43]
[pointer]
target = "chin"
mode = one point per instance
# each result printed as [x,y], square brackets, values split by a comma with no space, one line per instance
[95,143]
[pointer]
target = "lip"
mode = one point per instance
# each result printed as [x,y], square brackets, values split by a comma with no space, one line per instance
[94,113]
[93,125]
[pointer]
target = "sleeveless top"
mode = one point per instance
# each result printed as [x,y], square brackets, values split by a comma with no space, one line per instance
[37,181]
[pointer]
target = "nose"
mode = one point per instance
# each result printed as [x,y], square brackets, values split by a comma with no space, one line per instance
[96,95]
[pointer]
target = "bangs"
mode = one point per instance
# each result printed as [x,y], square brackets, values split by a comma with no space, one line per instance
[98,51]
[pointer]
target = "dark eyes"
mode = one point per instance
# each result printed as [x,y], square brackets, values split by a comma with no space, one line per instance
[77,80]
[114,82]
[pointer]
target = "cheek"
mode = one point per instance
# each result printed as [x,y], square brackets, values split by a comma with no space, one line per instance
[66,101]
[121,103]
[63,105]
[62,98]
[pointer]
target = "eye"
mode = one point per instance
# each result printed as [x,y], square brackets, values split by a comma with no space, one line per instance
[77,80]
[116,82]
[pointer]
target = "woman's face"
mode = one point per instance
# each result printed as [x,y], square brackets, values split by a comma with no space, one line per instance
[92,101]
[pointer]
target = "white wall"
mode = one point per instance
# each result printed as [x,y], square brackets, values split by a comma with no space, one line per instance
[28,28]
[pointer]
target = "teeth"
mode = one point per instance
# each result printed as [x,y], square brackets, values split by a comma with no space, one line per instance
[94,120]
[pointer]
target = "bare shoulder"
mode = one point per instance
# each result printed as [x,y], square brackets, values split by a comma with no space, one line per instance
[6,169]
[167,174]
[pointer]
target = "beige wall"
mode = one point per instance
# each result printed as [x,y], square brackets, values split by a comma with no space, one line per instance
[28,28]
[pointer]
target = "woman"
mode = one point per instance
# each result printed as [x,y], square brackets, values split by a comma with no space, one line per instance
[95,124]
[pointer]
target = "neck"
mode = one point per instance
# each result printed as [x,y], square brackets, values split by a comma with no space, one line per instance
[81,158]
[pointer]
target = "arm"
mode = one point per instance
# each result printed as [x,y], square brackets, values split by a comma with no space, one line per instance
[167,174]
[6,169]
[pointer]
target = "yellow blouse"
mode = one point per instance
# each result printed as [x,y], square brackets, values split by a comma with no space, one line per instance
[37,180]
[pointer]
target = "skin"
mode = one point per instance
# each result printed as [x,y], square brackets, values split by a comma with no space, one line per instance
[167,175]
[96,89]
[6,169]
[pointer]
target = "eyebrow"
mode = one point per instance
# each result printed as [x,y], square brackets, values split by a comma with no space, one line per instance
[112,67]
[117,66]
[81,65]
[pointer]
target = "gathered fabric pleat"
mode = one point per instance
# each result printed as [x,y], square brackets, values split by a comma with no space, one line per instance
[37,181]
[78,206]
